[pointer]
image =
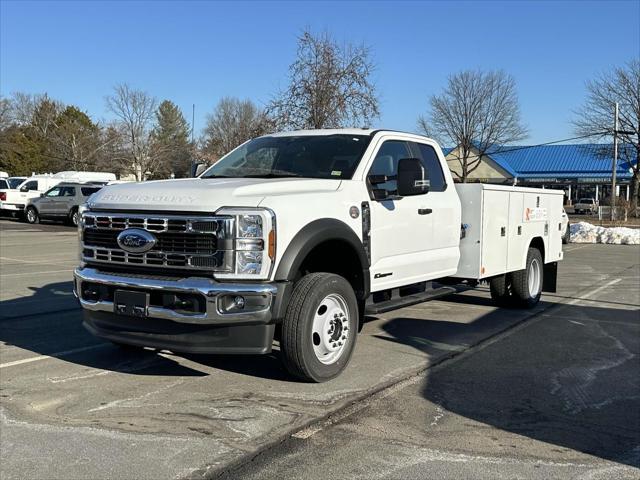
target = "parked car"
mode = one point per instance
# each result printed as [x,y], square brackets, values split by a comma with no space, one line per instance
[298,235]
[565,227]
[16,200]
[60,202]
[586,205]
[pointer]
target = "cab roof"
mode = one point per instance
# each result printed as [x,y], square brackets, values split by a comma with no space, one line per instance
[324,131]
[339,131]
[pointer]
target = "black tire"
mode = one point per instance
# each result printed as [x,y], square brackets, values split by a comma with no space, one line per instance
[298,338]
[524,295]
[31,215]
[567,234]
[500,288]
[74,217]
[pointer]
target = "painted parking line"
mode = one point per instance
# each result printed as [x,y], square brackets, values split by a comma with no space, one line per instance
[53,355]
[34,273]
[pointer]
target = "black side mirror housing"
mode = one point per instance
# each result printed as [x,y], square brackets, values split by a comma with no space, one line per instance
[412,177]
[198,168]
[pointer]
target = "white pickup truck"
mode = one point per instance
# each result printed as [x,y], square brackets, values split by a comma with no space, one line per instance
[296,236]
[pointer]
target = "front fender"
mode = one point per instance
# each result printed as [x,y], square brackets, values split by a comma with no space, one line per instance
[312,235]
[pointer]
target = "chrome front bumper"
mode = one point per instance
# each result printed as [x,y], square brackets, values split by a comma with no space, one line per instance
[259,297]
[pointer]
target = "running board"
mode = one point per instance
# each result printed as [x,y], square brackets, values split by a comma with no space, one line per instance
[400,302]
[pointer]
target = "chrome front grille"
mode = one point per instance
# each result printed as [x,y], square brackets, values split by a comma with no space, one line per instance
[199,243]
[155,224]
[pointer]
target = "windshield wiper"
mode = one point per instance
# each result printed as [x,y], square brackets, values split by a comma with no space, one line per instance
[213,175]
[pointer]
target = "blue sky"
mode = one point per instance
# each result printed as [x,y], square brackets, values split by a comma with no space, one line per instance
[198,52]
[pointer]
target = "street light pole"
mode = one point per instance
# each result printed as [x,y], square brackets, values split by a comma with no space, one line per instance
[614,165]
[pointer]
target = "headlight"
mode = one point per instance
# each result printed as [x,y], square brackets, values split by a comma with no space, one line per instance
[249,226]
[254,243]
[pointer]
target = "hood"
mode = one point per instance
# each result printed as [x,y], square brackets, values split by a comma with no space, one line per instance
[203,194]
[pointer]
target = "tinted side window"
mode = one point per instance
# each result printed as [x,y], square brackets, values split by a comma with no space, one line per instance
[4,184]
[386,162]
[68,192]
[431,163]
[86,191]
[32,185]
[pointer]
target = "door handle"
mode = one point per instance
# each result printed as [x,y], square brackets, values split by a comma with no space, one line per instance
[424,211]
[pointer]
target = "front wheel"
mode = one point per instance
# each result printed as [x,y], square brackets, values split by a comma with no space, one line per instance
[31,215]
[320,326]
[74,217]
[527,283]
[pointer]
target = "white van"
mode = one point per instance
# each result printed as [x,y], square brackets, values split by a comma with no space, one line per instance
[16,200]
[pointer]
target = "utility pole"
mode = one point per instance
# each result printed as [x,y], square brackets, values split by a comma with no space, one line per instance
[193,121]
[193,143]
[614,165]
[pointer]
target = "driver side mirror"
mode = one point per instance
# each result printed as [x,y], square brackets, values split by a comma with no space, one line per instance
[197,169]
[412,177]
[41,195]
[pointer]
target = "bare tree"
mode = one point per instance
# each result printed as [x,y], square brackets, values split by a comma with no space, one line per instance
[595,118]
[135,111]
[476,112]
[330,86]
[232,123]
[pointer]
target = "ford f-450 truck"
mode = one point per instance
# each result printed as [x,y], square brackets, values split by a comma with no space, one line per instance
[295,236]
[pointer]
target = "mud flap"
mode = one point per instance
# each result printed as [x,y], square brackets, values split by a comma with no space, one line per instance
[550,274]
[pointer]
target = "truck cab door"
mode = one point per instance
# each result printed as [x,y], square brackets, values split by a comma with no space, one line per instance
[400,227]
[444,203]
[29,190]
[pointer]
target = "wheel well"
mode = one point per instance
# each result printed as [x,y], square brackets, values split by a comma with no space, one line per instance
[538,243]
[339,257]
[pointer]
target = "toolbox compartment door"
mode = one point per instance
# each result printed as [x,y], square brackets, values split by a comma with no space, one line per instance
[495,233]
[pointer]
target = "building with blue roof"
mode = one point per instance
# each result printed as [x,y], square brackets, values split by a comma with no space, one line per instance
[582,170]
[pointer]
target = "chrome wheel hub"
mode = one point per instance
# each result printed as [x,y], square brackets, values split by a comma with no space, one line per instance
[331,328]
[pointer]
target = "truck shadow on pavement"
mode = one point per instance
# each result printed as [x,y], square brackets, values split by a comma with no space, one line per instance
[571,379]
[49,322]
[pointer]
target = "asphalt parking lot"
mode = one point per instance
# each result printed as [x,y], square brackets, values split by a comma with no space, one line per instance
[553,392]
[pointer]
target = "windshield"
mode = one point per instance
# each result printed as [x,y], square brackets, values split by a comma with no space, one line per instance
[309,156]
[14,182]
[586,200]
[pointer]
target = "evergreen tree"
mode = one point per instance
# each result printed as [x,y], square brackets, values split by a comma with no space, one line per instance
[171,141]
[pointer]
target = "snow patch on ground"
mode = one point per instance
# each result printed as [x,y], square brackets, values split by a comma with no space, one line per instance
[584,232]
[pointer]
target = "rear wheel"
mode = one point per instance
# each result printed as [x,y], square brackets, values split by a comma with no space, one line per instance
[500,288]
[527,283]
[567,234]
[320,326]
[31,215]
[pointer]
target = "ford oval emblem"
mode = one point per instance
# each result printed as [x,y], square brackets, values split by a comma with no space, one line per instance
[136,240]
